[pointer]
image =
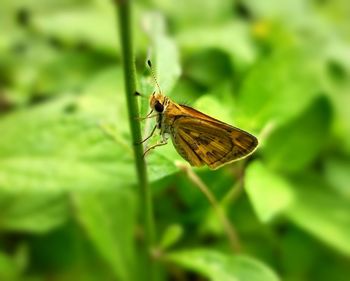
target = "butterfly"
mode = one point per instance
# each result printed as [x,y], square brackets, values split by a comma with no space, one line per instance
[197,137]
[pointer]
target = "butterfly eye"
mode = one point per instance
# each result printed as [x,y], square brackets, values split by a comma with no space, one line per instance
[158,107]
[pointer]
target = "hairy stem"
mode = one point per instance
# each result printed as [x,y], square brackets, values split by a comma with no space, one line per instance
[124,10]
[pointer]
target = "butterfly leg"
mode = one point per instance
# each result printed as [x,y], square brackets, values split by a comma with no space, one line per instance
[162,142]
[147,116]
[151,134]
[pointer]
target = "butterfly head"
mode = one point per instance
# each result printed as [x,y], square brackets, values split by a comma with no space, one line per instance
[158,102]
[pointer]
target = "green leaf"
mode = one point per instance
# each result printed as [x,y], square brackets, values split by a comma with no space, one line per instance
[321,212]
[287,11]
[8,268]
[241,50]
[214,106]
[209,67]
[68,71]
[162,162]
[12,267]
[222,267]
[89,25]
[64,146]
[268,93]
[299,252]
[308,202]
[70,146]
[171,235]
[109,219]
[34,212]
[269,193]
[42,71]
[295,145]
[187,13]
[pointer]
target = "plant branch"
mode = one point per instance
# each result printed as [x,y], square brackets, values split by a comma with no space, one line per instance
[124,11]
[229,229]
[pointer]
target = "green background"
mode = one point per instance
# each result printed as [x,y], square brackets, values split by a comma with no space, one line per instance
[69,202]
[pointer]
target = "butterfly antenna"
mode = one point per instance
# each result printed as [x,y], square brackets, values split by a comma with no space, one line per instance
[153,75]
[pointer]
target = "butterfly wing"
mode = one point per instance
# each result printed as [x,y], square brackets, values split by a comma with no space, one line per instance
[189,111]
[184,148]
[210,141]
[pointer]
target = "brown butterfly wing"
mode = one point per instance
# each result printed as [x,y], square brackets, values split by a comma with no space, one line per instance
[189,111]
[185,150]
[211,141]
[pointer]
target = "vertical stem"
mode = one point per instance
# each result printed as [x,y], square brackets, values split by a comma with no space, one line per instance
[124,10]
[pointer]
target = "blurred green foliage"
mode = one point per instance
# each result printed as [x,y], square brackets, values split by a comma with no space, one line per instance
[68,195]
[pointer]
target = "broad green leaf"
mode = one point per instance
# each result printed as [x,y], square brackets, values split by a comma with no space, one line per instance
[109,219]
[269,193]
[89,25]
[270,93]
[42,71]
[68,71]
[21,71]
[232,37]
[307,202]
[69,149]
[162,162]
[321,212]
[222,267]
[34,212]
[295,145]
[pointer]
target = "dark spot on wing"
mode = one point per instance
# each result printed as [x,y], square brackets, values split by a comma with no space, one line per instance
[246,142]
[186,130]
[199,138]
[211,154]
[238,152]
[241,138]
[203,140]
[185,155]
[193,146]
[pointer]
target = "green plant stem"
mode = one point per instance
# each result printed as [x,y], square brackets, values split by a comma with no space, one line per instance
[228,227]
[124,10]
